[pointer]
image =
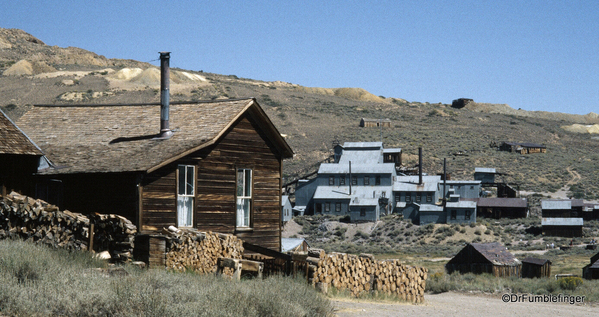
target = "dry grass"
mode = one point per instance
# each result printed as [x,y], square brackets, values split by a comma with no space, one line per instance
[37,281]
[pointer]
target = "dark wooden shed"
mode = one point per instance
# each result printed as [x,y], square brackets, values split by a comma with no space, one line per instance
[502,207]
[591,271]
[461,102]
[370,123]
[221,170]
[479,258]
[533,267]
[523,147]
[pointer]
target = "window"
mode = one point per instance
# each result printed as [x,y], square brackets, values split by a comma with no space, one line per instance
[418,197]
[377,180]
[366,180]
[453,214]
[244,196]
[467,217]
[384,194]
[185,195]
[342,179]
[354,180]
[362,212]
[327,207]
[338,207]
[429,197]
[331,180]
[398,197]
[408,197]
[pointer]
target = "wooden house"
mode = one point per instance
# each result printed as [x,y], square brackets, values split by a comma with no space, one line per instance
[562,227]
[498,208]
[19,158]
[591,271]
[533,267]
[492,258]
[375,123]
[523,148]
[221,170]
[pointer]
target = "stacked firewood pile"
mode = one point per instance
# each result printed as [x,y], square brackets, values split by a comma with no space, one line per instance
[199,251]
[35,220]
[115,234]
[362,273]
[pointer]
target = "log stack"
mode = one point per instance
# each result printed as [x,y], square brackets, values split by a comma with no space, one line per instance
[36,220]
[189,249]
[362,273]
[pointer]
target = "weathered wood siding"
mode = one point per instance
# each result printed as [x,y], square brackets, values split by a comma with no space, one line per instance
[530,270]
[243,146]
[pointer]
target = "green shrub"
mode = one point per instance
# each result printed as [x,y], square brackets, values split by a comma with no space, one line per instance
[570,283]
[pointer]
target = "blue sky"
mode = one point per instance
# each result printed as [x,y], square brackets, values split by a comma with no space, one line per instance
[534,55]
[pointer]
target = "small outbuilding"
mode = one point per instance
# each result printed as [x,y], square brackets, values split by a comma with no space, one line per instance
[286,209]
[479,258]
[591,271]
[523,148]
[294,244]
[370,123]
[562,227]
[461,102]
[534,267]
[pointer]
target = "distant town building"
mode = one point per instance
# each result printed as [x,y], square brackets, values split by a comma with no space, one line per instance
[479,258]
[523,148]
[370,123]
[461,102]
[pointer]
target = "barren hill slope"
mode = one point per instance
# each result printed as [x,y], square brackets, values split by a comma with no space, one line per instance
[312,118]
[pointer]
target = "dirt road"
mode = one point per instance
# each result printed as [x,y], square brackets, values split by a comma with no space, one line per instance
[463,305]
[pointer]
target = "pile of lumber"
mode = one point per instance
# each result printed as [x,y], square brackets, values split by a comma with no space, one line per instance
[362,273]
[35,220]
[189,249]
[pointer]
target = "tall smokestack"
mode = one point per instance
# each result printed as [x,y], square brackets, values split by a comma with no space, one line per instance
[165,131]
[420,166]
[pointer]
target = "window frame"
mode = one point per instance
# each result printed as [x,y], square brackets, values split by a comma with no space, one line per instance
[337,207]
[327,207]
[342,179]
[454,214]
[429,198]
[408,198]
[354,180]
[377,180]
[244,196]
[418,197]
[186,194]
[331,180]
[362,212]
[467,215]
[366,180]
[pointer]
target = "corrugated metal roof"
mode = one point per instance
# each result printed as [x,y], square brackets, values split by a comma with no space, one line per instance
[485,170]
[556,204]
[342,192]
[13,140]
[410,184]
[461,204]
[430,208]
[284,200]
[288,244]
[392,150]
[349,145]
[119,138]
[562,222]
[536,261]
[496,253]
[502,202]
[461,182]
[357,201]
[334,168]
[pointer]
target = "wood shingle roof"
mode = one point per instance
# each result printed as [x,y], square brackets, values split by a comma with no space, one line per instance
[120,138]
[12,139]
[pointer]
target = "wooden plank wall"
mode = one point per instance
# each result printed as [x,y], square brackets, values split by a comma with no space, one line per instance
[243,146]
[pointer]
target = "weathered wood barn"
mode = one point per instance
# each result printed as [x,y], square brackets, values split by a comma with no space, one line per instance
[502,207]
[562,227]
[480,258]
[591,271]
[221,170]
[523,148]
[19,158]
[369,123]
[461,102]
[533,267]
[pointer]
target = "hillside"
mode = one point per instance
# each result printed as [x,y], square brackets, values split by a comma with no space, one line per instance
[312,118]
